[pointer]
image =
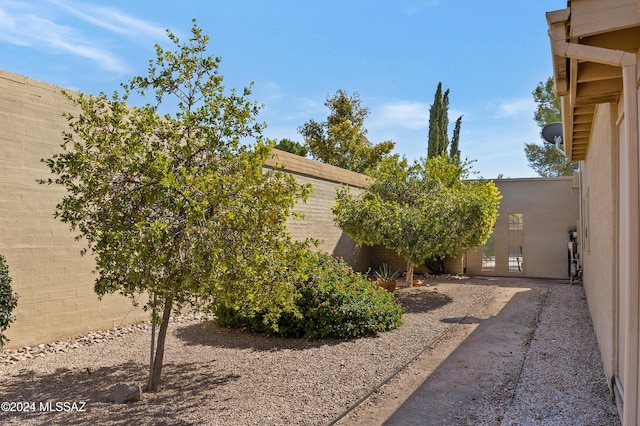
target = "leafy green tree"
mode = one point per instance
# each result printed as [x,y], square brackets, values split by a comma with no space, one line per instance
[341,140]
[292,146]
[335,302]
[438,141]
[8,300]
[425,212]
[544,158]
[176,206]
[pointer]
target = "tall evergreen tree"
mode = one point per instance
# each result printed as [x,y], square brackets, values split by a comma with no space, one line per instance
[438,123]
[543,157]
[293,147]
[454,152]
[438,142]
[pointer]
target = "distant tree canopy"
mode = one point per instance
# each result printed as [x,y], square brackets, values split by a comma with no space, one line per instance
[293,147]
[543,157]
[438,141]
[341,140]
[425,212]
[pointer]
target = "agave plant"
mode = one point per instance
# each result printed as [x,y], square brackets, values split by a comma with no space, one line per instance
[385,273]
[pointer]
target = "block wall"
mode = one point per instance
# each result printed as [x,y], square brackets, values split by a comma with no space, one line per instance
[53,281]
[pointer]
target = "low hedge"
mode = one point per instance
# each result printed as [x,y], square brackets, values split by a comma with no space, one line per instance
[333,301]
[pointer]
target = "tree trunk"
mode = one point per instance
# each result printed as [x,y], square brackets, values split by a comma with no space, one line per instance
[154,380]
[409,277]
[152,349]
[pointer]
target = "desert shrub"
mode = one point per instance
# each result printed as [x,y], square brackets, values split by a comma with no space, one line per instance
[8,300]
[333,301]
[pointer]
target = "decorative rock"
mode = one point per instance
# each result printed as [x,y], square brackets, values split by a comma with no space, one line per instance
[11,356]
[126,392]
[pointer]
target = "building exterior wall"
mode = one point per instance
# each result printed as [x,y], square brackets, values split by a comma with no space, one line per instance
[550,209]
[598,231]
[53,281]
[596,51]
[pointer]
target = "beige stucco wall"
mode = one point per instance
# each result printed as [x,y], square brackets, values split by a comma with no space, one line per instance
[318,218]
[599,229]
[550,208]
[381,255]
[53,281]
[604,32]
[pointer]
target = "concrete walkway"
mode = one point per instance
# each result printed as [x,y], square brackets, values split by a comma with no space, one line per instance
[528,357]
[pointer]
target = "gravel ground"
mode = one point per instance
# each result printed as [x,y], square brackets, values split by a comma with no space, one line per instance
[221,376]
[562,380]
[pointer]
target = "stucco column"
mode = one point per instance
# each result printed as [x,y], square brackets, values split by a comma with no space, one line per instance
[630,242]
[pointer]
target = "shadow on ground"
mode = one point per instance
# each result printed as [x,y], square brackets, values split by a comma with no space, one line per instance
[208,333]
[92,392]
[422,299]
[481,372]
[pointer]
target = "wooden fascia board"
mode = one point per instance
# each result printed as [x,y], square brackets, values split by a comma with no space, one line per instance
[557,22]
[589,17]
[567,125]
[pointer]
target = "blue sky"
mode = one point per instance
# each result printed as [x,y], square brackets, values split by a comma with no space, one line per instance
[491,55]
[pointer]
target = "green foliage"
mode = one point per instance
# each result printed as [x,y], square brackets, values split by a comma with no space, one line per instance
[544,158]
[425,212]
[438,141]
[548,110]
[385,273]
[292,146]
[341,140]
[177,205]
[333,301]
[8,300]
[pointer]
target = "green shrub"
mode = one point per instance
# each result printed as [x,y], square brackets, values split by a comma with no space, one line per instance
[8,300]
[333,301]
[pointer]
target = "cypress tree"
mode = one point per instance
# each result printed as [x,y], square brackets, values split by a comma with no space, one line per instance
[454,152]
[438,123]
[438,142]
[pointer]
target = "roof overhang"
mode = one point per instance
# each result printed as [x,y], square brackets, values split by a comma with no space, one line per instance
[590,45]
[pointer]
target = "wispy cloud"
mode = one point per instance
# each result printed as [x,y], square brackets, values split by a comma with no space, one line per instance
[510,108]
[268,92]
[37,25]
[412,115]
[112,20]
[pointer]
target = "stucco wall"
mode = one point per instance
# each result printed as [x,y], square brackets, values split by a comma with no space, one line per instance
[599,229]
[55,283]
[550,208]
[318,220]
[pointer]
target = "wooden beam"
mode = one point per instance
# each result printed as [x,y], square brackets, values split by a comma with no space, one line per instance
[591,71]
[597,92]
